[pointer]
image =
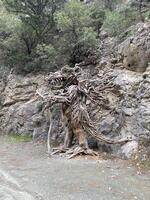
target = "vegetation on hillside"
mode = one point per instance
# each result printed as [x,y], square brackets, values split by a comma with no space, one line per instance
[42,35]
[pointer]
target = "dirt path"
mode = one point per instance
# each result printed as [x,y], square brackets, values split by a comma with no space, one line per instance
[27,174]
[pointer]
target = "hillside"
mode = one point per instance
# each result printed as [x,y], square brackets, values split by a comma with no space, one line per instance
[108,40]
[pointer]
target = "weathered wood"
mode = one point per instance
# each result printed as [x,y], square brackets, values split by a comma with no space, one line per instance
[75,113]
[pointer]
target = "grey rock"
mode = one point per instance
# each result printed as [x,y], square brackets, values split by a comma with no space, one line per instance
[129,150]
[103,34]
[135,50]
[125,110]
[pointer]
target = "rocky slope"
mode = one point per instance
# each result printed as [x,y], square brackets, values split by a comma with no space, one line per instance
[129,107]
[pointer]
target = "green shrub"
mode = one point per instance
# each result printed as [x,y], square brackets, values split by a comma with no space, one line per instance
[62,32]
[117,22]
[46,55]
[28,25]
[77,37]
[97,15]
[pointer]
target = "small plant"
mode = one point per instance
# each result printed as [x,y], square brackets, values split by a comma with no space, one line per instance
[19,138]
[147,15]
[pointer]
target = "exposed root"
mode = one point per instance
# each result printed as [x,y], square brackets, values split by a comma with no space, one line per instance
[81,151]
[74,151]
[59,150]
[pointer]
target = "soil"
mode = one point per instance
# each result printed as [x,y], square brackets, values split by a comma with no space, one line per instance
[27,173]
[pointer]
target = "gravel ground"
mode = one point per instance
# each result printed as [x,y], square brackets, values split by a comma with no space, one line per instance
[26,173]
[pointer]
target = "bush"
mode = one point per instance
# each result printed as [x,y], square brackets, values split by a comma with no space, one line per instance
[117,22]
[62,32]
[30,25]
[77,37]
[97,15]
[46,55]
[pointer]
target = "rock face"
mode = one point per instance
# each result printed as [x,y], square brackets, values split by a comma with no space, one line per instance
[135,50]
[126,110]
[21,109]
[130,103]
[129,149]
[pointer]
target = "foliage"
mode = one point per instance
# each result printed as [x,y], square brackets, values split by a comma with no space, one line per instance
[37,26]
[46,55]
[118,21]
[43,38]
[14,138]
[108,4]
[9,25]
[97,15]
[147,15]
[78,37]
[45,34]
[141,7]
[35,13]
[8,22]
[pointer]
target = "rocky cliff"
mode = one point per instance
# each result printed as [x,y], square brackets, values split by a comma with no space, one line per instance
[128,105]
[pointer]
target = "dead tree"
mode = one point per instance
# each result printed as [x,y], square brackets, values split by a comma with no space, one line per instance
[73,93]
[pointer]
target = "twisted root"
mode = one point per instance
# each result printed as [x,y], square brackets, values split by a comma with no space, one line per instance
[74,151]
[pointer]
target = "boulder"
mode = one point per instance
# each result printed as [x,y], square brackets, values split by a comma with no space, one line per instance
[129,150]
[135,50]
